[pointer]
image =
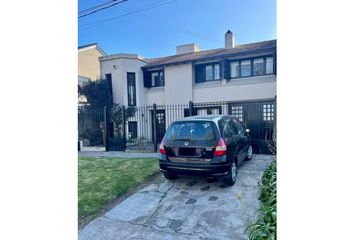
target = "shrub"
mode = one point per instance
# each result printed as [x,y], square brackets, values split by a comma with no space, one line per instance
[97,93]
[265,226]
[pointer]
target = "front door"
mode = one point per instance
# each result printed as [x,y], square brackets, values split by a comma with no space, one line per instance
[160,125]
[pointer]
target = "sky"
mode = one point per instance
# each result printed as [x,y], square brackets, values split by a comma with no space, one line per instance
[156,31]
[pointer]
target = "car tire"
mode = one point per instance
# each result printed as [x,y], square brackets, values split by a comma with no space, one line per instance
[249,153]
[169,176]
[230,179]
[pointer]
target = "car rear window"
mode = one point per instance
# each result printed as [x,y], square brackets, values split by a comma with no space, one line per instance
[192,131]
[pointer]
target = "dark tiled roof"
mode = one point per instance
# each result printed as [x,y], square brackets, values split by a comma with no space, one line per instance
[214,53]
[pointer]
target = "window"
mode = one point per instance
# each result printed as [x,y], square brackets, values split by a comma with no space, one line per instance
[192,131]
[246,68]
[268,112]
[235,69]
[237,111]
[108,77]
[234,129]
[153,78]
[131,89]
[269,65]
[216,71]
[207,73]
[258,67]
[208,110]
[240,129]
[229,128]
[157,79]
[251,67]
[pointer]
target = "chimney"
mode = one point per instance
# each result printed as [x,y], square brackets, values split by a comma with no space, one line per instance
[229,39]
[187,48]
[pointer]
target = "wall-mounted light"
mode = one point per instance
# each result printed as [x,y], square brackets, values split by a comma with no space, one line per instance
[115,66]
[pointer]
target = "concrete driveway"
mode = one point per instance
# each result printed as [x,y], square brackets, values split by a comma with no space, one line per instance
[186,208]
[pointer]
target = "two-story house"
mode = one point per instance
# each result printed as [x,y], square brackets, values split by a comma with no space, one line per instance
[238,79]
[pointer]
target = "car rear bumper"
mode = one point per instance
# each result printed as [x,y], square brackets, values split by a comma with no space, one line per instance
[215,170]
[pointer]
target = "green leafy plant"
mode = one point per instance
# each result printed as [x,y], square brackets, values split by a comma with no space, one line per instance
[97,93]
[89,124]
[264,228]
[141,143]
[117,117]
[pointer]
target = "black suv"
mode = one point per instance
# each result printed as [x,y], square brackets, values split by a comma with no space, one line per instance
[211,146]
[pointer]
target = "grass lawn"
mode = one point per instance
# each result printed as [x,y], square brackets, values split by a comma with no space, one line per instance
[103,179]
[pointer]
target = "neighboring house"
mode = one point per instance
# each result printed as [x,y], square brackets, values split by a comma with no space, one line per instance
[88,65]
[233,73]
[88,61]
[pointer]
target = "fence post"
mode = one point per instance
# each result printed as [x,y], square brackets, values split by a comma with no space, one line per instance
[124,131]
[105,135]
[154,125]
[275,116]
[190,108]
[275,111]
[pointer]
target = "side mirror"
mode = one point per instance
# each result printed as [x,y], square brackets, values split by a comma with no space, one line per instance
[247,130]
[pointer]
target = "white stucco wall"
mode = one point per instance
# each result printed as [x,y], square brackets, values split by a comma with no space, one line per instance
[124,63]
[178,84]
[155,95]
[263,87]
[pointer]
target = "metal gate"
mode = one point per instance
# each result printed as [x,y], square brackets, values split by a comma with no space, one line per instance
[259,117]
[160,123]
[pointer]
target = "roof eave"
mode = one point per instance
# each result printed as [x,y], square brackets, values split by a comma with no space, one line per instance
[260,51]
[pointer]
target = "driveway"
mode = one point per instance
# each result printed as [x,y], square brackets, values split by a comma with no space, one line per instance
[186,208]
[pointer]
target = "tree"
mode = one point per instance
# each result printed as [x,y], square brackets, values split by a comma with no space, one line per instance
[98,93]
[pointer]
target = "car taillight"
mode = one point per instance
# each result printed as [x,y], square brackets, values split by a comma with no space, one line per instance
[162,149]
[220,149]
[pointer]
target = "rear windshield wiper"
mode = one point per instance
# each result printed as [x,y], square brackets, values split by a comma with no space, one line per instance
[182,139]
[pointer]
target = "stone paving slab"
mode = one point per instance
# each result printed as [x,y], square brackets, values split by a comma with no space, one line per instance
[185,208]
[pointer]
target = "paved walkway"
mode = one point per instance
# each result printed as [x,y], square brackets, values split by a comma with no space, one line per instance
[186,208]
[117,154]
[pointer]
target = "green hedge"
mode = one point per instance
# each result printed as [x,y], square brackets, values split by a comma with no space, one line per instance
[265,227]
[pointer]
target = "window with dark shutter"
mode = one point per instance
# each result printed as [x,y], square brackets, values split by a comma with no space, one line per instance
[109,83]
[131,89]
[199,73]
[157,79]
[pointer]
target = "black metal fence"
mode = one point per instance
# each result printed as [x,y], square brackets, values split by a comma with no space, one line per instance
[91,126]
[143,127]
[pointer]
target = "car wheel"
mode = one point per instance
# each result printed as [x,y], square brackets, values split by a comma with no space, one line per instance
[231,176]
[249,153]
[169,176]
